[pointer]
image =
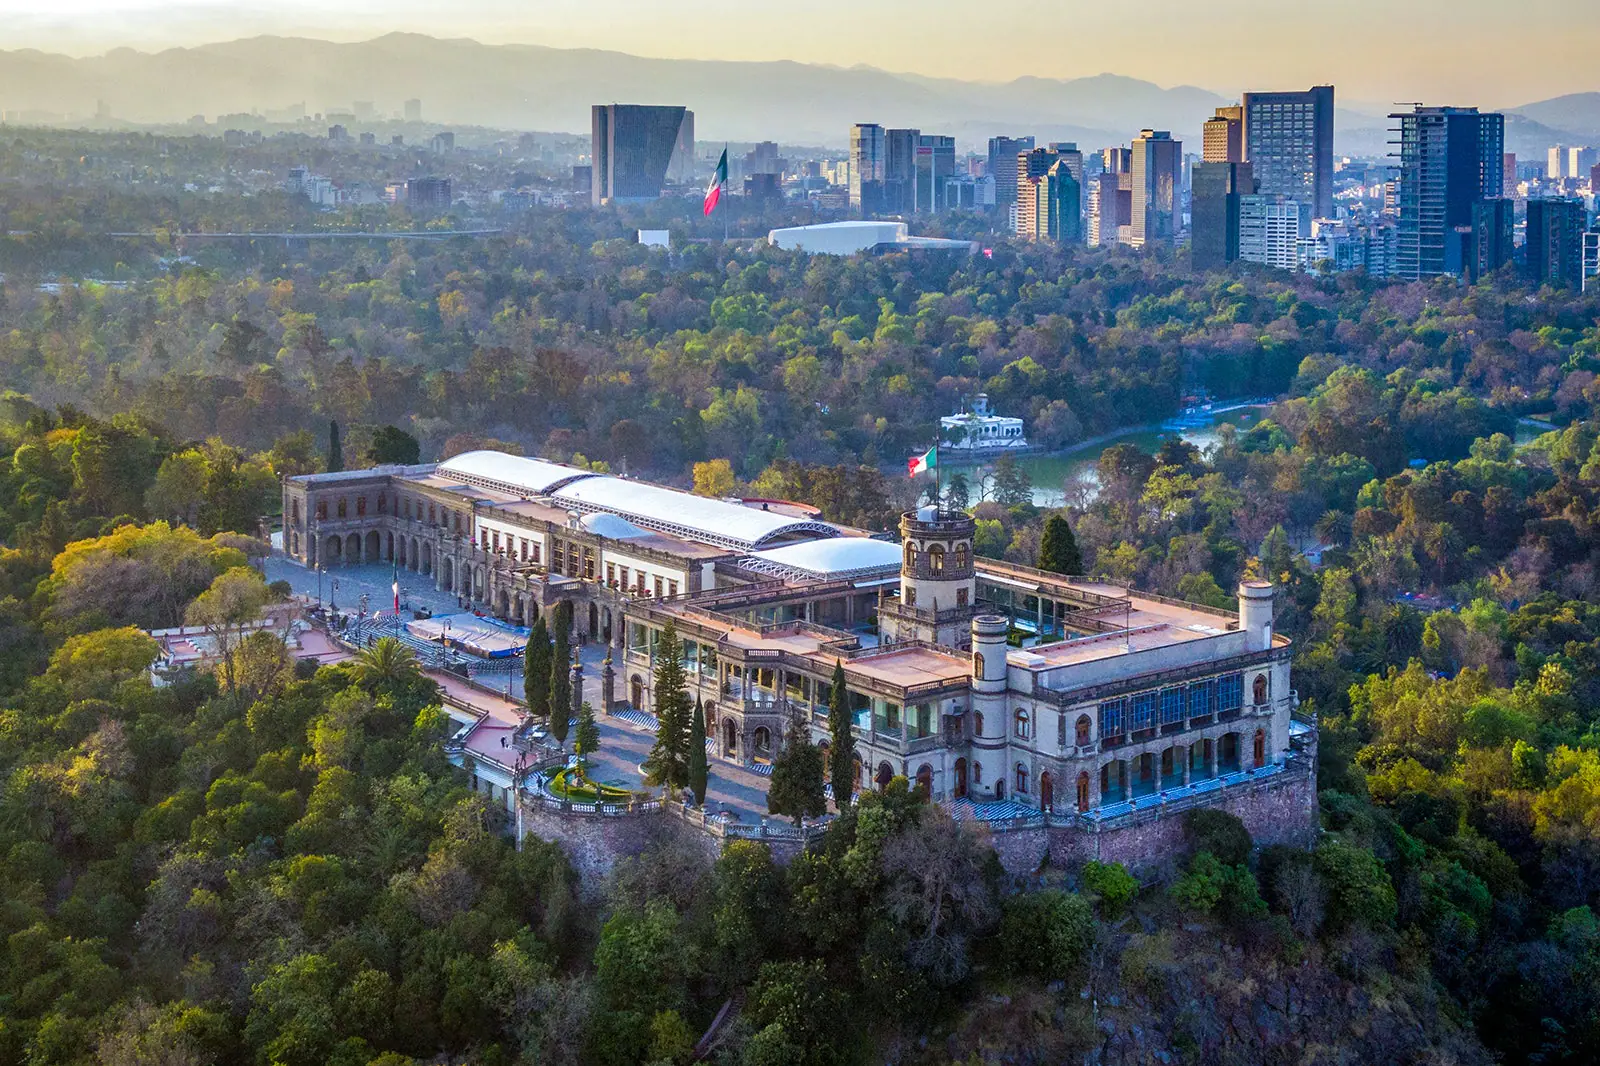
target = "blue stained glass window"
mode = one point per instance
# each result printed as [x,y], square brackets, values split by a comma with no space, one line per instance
[1230,692]
[1202,698]
[1111,713]
[1144,711]
[1171,705]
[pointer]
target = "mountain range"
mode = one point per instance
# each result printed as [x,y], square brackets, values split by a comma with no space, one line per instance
[531,87]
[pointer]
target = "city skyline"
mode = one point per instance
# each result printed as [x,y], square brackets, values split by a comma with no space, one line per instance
[1219,54]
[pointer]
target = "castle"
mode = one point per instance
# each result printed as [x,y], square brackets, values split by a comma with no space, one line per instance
[981,681]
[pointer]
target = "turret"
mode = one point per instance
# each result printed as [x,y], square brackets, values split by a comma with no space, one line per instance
[989,633]
[1255,614]
[936,572]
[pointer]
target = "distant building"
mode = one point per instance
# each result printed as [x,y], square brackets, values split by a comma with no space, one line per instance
[1555,243]
[1157,163]
[1003,152]
[368,139]
[1591,259]
[761,189]
[1222,139]
[1269,230]
[899,170]
[1050,194]
[1450,159]
[633,145]
[849,238]
[1214,212]
[429,194]
[1288,142]
[680,168]
[413,110]
[443,143]
[935,168]
[1486,243]
[1556,167]
[1580,161]
[338,134]
[866,168]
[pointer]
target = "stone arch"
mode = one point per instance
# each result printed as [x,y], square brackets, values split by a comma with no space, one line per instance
[1022,778]
[936,559]
[519,606]
[1144,775]
[1228,753]
[352,549]
[1081,730]
[480,584]
[605,625]
[594,618]
[447,573]
[730,737]
[373,551]
[1260,752]
[502,604]
[334,552]
[388,547]
[294,543]
[960,789]
[884,775]
[1083,791]
[761,740]
[398,550]
[1047,792]
[636,692]
[925,779]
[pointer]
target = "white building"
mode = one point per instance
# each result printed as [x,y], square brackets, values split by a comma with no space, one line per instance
[1269,231]
[849,238]
[981,430]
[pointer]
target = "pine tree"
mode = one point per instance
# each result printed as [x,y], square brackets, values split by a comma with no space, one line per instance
[841,740]
[1058,548]
[335,449]
[536,671]
[796,789]
[586,740]
[698,771]
[561,673]
[668,764]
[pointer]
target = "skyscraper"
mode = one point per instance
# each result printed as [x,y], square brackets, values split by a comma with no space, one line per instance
[1486,243]
[1555,242]
[680,168]
[1003,152]
[1111,197]
[935,167]
[1556,162]
[632,146]
[899,170]
[1269,231]
[1223,136]
[1050,193]
[866,168]
[1288,142]
[1450,159]
[1214,212]
[1157,164]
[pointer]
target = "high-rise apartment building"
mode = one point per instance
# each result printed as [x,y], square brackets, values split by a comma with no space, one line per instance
[680,168]
[899,170]
[1110,198]
[1556,162]
[1591,259]
[1288,142]
[1486,243]
[1269,231]
[1215,189]
[428,194]
[632,146]
[1003,152]
[1223,136]
[866,168]
[935,166]
[1579,162]
[1555,242]
[1156,170]
[1450,159]
[1508,175]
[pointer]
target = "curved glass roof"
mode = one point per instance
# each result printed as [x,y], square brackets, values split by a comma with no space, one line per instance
[837,557]
[680,514]
[511,474]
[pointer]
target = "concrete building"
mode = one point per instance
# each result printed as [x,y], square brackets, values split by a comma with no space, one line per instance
[1269,231]
[632,147]
[1591,259]
[899,170]
[1222,137]
[1214,212]
[866,168]
[934,168]
[1049,195]
[1157,193]
[429,194]
[1450,159]
[1555,242]
[1003,153]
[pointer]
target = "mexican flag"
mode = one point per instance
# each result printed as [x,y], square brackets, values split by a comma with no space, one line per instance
[718,180]
[923,463]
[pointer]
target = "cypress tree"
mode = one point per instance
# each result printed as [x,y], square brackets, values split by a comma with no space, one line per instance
[796,789]
[335,449]
[561,673]
[698,771]
[536,670]
[1058,548]
[668,764]
[841,740]
[587,737]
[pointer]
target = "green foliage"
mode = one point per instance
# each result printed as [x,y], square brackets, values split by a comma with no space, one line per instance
[841,740]
[1046,934]
[1111,885]
[796,788]
[1218,832]
[390,444]
[698,768]
[560,686]
[668,762]
[1058,550]
[536,670]
[586,740]
[334,460]
[1359,890]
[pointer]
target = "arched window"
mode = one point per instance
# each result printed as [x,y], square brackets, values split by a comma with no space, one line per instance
[977,725]
[1083,792]
[1259,689]
[1261,748]
[1081,733]
[361,506]
[977,665]
[1022,779]
[961,557]
[1022,724]
[936,559]
[344,508]
[911,556]
[294,509]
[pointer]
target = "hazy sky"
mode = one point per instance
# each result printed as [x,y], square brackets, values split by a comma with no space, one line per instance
[1376,51]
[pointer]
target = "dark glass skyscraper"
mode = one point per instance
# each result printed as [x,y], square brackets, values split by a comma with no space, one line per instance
[632,145]
[1555,242]
[1003,152]
[1288,142]
[1451,159]
[1214,212]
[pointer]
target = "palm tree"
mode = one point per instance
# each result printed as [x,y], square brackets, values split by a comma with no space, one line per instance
[386,662]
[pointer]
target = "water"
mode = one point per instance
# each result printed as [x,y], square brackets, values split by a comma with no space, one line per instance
[1052,473]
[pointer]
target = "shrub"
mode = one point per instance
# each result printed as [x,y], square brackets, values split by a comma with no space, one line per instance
[1111,884]
[1220,833]
[1046,934]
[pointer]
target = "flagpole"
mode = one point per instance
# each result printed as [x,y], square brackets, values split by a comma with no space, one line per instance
[725,213]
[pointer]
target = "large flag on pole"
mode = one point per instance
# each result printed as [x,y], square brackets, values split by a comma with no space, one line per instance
[923,463]
[718,180]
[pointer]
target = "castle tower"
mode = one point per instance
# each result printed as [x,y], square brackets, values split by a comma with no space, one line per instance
[937,586]
[1255,613]
[989,722]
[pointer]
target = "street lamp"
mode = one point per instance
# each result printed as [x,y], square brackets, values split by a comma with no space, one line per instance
[333,596]
[320,571]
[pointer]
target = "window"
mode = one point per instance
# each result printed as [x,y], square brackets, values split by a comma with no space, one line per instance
[911,556]
[294,510]
[406,505]
[383,504]
[558,560]
[497,543]
[361,506]
[658,588]
[533,552]
[1171,705]
[588,564]
[961,597]
[623,584]
[936,559]
[977,665]
[1144,712]
[911,595]
[961,557]
[977,726]
[1081,730]
[1021,724]
[639,583]
[524,549]
[611,575]
[344,508]
[483,539]
[322,510]
[672,588]
[1230,692]
[1260,689]
[1061,730]
[1022,779]
[1202,698]
[431,518]
[1111,716]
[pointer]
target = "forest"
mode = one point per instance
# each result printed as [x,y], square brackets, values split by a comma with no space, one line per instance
[275,864]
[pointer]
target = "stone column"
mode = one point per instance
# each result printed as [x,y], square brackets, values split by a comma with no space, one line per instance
[608,684]
[577,684]
[1188,757]
[1211,758]
[1126,768]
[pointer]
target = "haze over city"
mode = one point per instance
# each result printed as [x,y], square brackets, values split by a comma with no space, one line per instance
[1376,51]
